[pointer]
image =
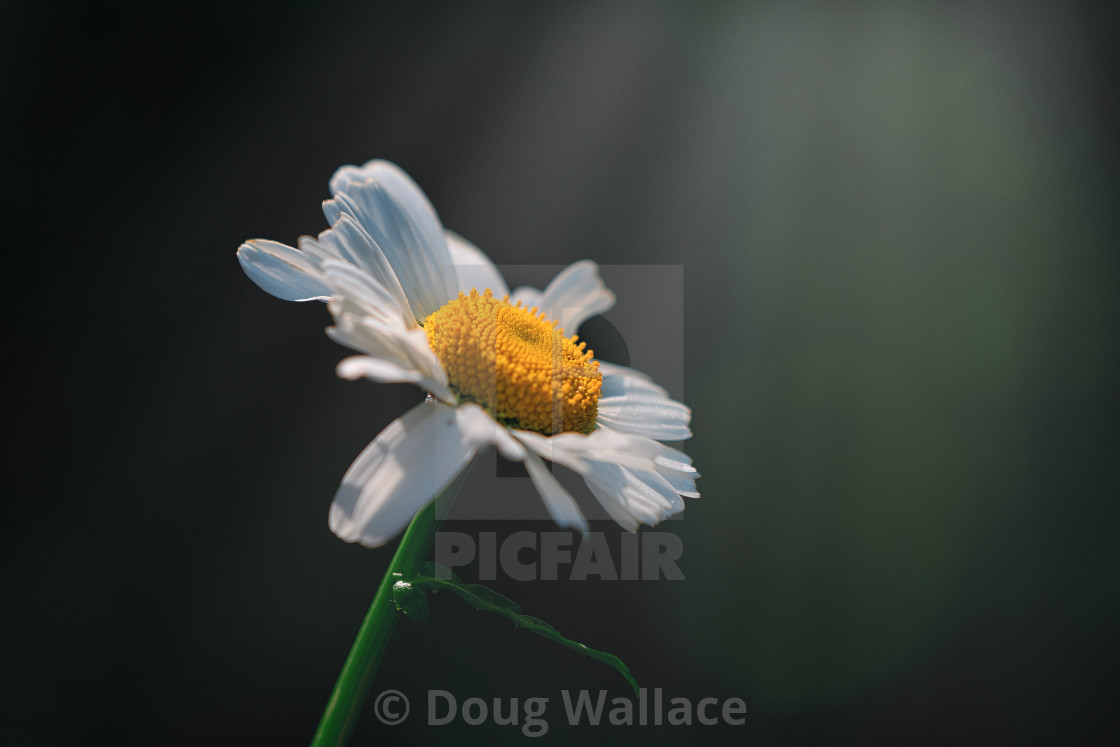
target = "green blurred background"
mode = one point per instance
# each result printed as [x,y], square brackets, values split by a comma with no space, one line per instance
[898,229]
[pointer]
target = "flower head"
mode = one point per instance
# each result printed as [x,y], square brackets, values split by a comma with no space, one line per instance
[422,305]
[517,365]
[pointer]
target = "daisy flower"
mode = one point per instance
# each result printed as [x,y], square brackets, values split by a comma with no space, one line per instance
[423,305]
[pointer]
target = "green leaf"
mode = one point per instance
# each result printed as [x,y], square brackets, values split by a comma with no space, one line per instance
[488,600]
[410,600]
[435,570]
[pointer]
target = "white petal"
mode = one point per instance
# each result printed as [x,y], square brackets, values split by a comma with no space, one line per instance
[357,292]
[406,466]
[618,381]
[529,297]
[614,369]
[354,246]
[378,369]
[683,484]
[473,269]
[614,507]
[310,246]
[479,426]
[565,448]
[618,468]
[560,504]
[398,217]
[610,490]
[636,479]
[390,372]
[575,450]
[672,467]
[673,458]
[282,271]
[399,183]
[655,483]
[643,495]
[676,467]
[648,414]
[573,296]
[405,348]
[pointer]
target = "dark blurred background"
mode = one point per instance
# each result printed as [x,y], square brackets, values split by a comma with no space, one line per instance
[898,230]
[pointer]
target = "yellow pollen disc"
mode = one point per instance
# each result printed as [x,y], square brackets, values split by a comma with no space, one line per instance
[516,364]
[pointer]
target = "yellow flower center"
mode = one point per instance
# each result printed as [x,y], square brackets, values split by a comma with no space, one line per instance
[516,364]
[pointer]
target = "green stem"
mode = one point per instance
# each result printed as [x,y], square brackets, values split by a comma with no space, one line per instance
[352,687]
